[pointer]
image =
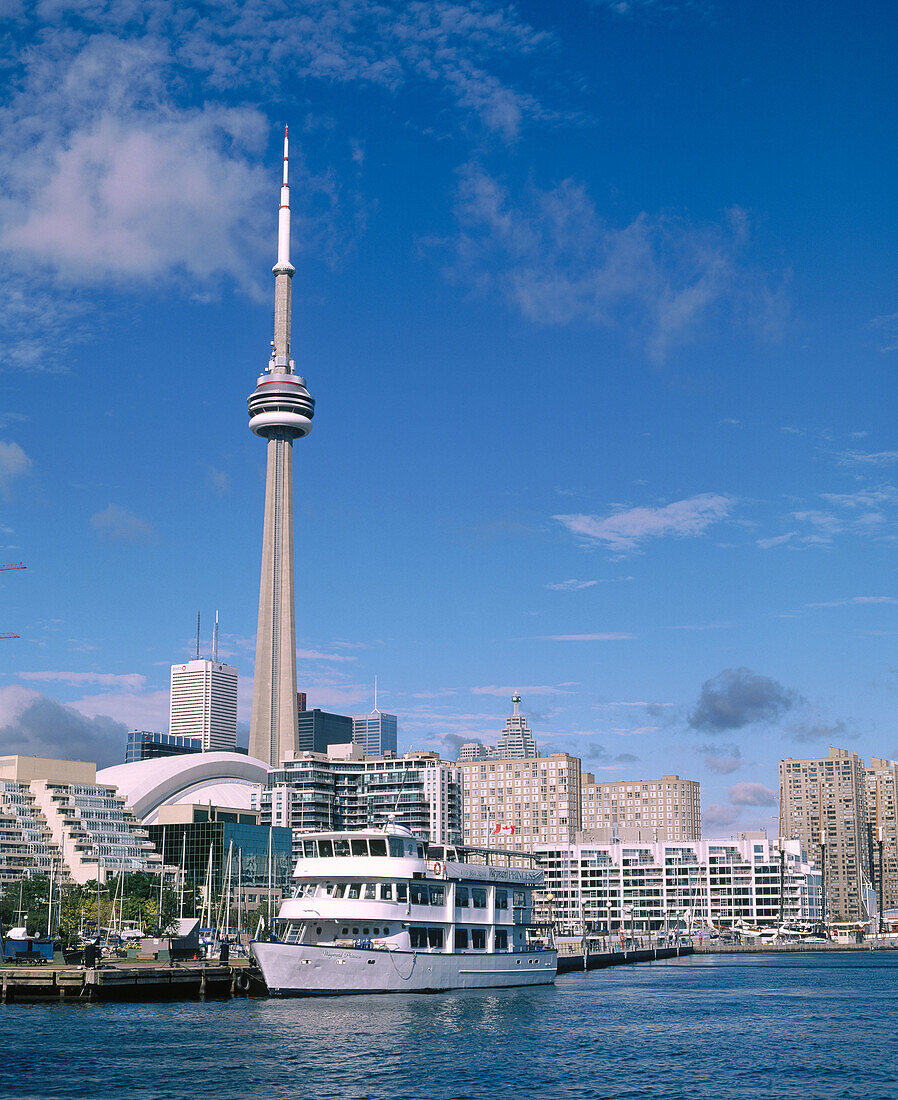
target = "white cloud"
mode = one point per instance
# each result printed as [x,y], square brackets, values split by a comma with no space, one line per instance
[604,637]
[776,540]
[119,524]
[856,600]
[527,689]
[570,586]
[32,724]
[14,463]
[624,530]
[867,458]
[142,710]
[132,680]
[752,794]
[318,655]
[552,257]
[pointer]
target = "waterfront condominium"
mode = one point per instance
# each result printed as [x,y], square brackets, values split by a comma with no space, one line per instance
[519,803]
[641,886]
[823,803]
[204,704]
[882,810]
[670,806]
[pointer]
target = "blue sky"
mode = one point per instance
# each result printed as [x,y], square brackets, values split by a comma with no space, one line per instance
[598,305]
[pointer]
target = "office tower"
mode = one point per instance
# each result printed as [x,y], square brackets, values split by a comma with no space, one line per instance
[376,732]
[317,729]
[518,803]
[516,741]
[669,805]
[823,803]
[204,704]
[280,410]
[300,700]
[473,750]
[149,745]
[882,810]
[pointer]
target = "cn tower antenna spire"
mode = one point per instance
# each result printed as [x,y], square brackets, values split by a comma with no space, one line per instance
[280,411]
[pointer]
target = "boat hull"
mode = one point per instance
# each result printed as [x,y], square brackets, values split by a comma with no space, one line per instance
[299,970]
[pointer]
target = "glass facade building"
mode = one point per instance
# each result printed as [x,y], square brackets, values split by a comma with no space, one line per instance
[147,745]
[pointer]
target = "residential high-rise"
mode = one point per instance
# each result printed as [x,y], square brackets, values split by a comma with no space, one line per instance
[516,741]
[669,805]
[882,811]
[204,704]
[519,803]
[280,410]
[823,803]
[376,732]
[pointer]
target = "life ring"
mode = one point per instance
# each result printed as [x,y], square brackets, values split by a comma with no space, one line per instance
[437,868]
[241,982]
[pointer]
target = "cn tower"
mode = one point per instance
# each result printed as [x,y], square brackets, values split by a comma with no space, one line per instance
[280,410]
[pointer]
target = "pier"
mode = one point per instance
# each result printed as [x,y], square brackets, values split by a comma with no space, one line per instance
[131,981]
[573,957]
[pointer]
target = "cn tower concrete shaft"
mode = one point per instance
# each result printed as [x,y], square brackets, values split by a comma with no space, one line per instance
[280,410]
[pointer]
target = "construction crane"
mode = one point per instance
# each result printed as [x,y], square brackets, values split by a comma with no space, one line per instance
[12,565]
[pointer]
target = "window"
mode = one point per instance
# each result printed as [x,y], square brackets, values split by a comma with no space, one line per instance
[370,891]
[501,899]
[309,849]
[478,898]
[461,939]
[438,895]
[395,846]
[325,848]
[501,939]
[354,890]
[478,939]
[341,847]
[339,889]
[435,937]
[401,891]
[419,895]
[518,899]
[386,891]
[359,847]
[377,846]
[461,897]
[417,937]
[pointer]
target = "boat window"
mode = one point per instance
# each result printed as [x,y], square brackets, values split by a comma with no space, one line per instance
[386,930]
[354,890]
[451,855]
[339,889]
[401,891]
[417,937]
[325,848]
[365,930]
[370,891]
[386,891]
[359,847]
[341,847]
[501,899]
[355,931]
[434,937]
[395,846]
[434,851]
[420,851]
[419,895]
[438,895]
[308,847]
[461,897]
[344,931]
[461,938]
[478,898]
[318,930]
[378,847]
[519,899]
[478,939]
[501,939]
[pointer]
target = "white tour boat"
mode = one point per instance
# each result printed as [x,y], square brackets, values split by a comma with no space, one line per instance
[379,911]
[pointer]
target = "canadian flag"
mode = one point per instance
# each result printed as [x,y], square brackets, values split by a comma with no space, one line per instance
[503,830]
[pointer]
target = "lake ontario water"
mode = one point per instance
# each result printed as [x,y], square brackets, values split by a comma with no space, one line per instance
[813,1026]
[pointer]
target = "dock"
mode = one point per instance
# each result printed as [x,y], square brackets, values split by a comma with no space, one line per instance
[130,981]
[573,957]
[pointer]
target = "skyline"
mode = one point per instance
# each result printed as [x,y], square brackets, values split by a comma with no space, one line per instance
[599,311]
